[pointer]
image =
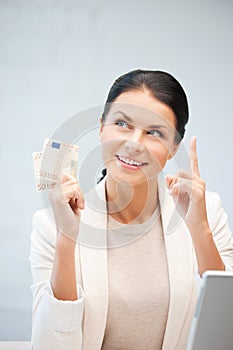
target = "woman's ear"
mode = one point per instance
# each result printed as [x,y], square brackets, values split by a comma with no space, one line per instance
[101,129]
[175,149]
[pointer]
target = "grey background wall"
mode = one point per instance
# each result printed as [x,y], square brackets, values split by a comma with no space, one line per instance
[60,57]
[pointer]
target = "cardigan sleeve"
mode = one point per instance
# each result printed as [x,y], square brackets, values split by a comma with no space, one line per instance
[56,324]
[221,232]
[219,226]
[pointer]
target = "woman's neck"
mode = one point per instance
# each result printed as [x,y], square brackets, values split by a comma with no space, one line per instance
[129,203]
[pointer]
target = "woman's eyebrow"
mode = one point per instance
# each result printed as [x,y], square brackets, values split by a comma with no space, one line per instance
[157,126]
[124,115]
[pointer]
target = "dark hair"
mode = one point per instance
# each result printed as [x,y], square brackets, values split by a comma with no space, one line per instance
[162,86]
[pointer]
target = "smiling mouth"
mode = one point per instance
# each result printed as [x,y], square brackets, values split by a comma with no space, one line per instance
[129,161]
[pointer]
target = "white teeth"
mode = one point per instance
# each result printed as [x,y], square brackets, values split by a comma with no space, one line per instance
[129,161]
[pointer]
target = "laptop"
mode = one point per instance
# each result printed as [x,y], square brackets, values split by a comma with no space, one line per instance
[212,325]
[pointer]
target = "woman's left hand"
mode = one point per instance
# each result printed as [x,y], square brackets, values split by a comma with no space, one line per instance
[188,192]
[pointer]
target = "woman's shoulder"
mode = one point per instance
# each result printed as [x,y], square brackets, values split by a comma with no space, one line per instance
[216,214]
[43,217]
[213,201]
[44,227]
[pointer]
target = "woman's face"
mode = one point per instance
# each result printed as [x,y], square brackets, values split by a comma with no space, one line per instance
[137,137]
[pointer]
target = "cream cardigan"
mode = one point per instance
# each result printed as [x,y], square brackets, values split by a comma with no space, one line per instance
[80,324]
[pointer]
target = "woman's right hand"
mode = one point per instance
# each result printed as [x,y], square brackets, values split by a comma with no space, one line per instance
[67,200]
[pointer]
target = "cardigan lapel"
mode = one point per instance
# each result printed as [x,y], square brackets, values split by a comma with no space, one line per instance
[179,251]
[94,274]
[93,263]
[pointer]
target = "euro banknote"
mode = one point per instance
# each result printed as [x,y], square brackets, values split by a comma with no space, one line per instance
[55,159]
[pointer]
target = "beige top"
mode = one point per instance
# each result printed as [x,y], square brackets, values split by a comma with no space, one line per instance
[138,286]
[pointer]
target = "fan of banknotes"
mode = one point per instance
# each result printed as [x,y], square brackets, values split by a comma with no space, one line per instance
[55,159]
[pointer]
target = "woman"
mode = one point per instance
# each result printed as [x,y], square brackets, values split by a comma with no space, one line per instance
[131,282]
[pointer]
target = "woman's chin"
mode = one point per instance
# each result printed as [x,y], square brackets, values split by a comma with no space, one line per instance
[133,179]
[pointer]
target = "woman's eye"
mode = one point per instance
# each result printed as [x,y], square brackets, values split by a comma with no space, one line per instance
[155,133]
[121,123]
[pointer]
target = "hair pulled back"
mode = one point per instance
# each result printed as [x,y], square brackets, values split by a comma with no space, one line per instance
[162,86]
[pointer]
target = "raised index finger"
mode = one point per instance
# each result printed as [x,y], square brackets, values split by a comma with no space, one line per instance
[193,156]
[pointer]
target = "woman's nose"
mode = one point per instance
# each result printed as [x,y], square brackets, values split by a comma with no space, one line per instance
[134,144]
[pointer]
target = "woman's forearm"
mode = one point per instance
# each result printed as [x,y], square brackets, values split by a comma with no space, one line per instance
[63,280]
[208,257]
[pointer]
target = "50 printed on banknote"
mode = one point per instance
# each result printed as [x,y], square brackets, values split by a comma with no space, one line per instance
[55,159]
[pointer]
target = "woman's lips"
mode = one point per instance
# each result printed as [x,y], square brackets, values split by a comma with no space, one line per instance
[130,163]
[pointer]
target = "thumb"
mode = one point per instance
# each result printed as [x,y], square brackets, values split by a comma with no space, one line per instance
[169,180]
